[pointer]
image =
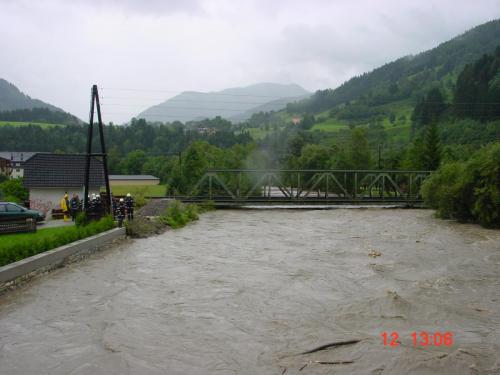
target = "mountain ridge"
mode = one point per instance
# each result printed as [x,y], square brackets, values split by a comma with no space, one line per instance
[409,77]
[227,103]
[16,106]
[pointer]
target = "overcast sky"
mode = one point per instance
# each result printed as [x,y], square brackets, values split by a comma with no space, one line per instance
[55,50]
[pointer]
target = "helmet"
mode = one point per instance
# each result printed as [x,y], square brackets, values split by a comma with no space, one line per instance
[121,199]
[128,195]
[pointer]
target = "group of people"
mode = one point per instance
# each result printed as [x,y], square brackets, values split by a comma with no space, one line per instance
[71,207]
[123,207]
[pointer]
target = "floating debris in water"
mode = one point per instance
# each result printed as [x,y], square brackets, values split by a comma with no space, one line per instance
[374,253]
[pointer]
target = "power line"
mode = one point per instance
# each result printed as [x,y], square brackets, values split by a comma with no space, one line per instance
[193,92]
[187,100]
[188,108]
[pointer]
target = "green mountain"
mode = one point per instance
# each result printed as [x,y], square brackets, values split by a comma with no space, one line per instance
[407,78]
[274,105]
[15,106]
[11,98]
[237,103]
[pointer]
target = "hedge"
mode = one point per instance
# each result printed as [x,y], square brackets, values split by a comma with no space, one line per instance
[33,244]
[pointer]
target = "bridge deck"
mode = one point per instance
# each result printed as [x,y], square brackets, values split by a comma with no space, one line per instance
[223,202]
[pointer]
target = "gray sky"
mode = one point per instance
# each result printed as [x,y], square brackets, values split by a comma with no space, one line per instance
[55,50]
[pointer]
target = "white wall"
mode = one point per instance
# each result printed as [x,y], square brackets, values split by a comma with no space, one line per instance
[16,174]
[45,199]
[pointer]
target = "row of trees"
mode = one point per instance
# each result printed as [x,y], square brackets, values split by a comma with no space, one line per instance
[468,190]
[121,140]
[43,115]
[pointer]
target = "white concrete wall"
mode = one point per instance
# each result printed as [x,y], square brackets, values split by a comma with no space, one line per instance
[17,172]
[45,199]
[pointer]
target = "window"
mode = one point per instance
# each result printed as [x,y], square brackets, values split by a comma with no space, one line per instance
[2,207]
[12,208]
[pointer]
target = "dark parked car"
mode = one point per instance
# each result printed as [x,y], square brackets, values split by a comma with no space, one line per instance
[13,212]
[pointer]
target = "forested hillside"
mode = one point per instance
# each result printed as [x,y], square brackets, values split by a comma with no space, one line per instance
[11,98]
[17,107]
[39,115]
[408,77]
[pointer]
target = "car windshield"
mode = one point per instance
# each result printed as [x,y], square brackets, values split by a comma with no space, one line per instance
[13,208]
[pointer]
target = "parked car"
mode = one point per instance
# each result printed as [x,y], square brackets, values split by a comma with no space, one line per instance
[10,211]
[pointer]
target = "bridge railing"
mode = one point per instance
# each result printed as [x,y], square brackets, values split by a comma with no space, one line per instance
[309,185]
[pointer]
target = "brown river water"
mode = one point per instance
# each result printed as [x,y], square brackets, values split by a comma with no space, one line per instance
[247,291]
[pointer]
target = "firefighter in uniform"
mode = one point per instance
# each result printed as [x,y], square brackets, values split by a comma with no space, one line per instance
[129,202]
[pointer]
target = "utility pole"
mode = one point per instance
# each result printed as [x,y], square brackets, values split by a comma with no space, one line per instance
[94,103]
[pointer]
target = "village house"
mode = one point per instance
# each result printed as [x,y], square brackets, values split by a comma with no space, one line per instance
[17,161]
[5,167]
[207,131]
[49,176]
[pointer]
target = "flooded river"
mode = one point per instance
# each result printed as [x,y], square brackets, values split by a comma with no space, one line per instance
[245,292]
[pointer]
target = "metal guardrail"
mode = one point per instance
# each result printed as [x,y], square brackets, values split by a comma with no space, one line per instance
[7,227]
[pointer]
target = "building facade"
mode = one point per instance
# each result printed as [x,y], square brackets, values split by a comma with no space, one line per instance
[17,161]
[49,176]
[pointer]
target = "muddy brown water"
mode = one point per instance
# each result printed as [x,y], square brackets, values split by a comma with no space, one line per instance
[244,292]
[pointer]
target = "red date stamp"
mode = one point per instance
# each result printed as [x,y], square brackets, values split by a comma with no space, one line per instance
[422,338]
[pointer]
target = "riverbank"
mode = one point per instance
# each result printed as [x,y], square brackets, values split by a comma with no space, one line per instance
[247,291]
[157,217]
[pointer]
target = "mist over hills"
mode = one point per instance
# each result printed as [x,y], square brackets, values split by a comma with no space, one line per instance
[409,77]
[236,104]
[11,98]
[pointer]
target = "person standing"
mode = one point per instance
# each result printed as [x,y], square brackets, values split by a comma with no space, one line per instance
[129,202]
[120,212]
[64,203]
[74,204]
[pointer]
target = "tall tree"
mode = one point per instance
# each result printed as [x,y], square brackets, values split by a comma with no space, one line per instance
[431,148]
[359,150]
[428,109]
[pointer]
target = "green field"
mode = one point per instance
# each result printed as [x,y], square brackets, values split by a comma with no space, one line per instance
[21,123]
[330,125]
[257,133]
[398,133]
[154,191]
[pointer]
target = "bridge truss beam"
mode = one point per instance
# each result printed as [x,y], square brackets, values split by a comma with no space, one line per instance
[251,186]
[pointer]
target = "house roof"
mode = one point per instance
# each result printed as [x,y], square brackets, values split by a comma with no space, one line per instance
[132,177]
[61,170]
[16,156]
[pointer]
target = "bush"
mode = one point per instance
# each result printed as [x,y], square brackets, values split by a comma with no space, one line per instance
[140,197]
[141,227]
[468,191]
[81,219]
[11,198]
[178,214]
[14,188]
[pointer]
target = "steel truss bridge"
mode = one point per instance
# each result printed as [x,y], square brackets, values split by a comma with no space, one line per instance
[252,187]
